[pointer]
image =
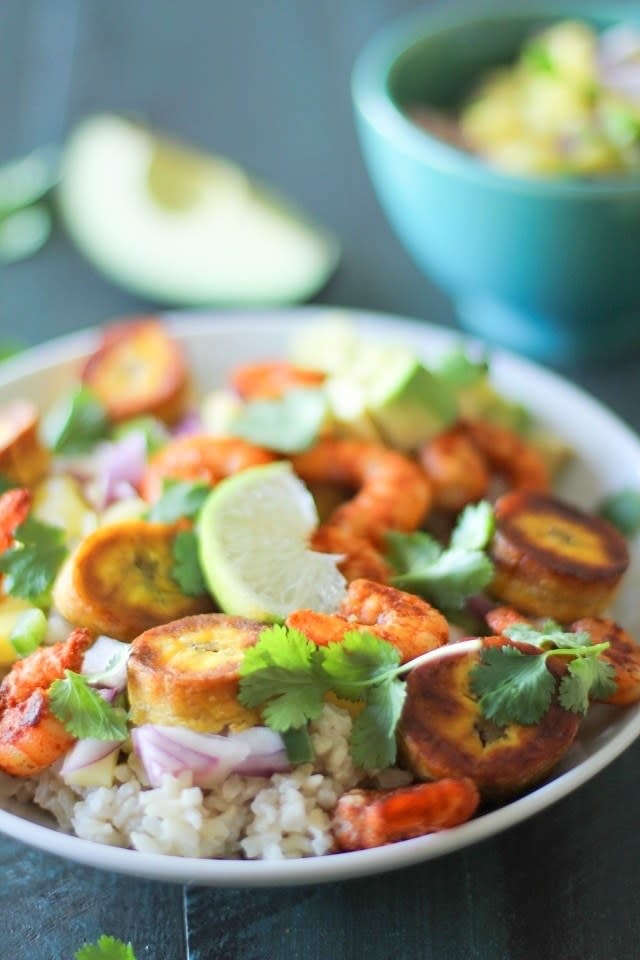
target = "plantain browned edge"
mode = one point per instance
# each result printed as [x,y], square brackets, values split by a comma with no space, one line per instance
[442,732]
[163,690]
[537,578]
[168,398]
[511,542]
[81,596]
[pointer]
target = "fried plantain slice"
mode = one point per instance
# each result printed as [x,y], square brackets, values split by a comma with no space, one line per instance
[137,370]
[185,673]
[119,580]
[553,559]
[443,733]
[23,459]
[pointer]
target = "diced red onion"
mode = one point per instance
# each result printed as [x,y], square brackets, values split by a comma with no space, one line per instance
[85,752]
[267,752]
[209,757]
[107,659]
[190,424]
[121,466]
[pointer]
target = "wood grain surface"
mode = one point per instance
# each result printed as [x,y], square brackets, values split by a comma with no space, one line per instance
[267,83]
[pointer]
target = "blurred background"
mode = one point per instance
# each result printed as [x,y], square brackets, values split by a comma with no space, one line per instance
[264,82]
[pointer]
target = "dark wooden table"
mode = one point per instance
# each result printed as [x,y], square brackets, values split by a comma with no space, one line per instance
[267,83]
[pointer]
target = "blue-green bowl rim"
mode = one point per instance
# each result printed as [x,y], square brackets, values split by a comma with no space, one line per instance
[373,100]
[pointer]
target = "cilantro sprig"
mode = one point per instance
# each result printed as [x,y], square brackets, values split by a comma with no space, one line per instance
[622,509]
[179,498]
[76,423]
[516,687]
[288,676]
[83,711]
[445,577]
[106,948]
[186,569]
[288,424]
[32,563]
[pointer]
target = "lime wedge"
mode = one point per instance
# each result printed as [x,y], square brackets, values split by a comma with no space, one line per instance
[252,533]
[180,226]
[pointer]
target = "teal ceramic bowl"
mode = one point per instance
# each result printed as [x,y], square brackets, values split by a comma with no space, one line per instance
[546,267]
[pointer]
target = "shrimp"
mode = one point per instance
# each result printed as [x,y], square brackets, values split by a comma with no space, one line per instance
[14,509]
[509,455]
[460,462]
[393,493]
[623,654]
[200,457]
[31,737]
[360,558]
[372,818]
[272,378]
[456,468]
[501,618]
[411,624]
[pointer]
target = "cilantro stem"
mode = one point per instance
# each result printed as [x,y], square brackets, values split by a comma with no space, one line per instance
[590,651]
[440,653]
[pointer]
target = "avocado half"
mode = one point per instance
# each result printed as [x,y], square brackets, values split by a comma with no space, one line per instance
[182,227]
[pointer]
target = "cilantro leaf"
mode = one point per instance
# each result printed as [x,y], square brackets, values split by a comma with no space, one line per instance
[106,948]
[511,686]
[32,563]
[9,348]
[83,711]
[445,577]
[153,430]
[586,677]
[622,510]
[186,569]
[289,424]
[549,635]
[373,741]
[180,498]
[282,672]
[474,528]
[76,423]
[409,551]
[455,575]
[358,660]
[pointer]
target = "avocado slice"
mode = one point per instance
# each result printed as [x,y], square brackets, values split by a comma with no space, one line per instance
[182,227]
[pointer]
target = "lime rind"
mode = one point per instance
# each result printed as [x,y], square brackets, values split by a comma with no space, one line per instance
[253,533]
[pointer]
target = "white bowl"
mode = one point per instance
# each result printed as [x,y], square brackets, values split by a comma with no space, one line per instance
[608,459]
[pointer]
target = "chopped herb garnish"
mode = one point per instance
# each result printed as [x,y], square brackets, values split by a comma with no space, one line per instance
[445,577]
[83,711]
[186,569]
[106,948]
[288,676]
[516,687]
[154,431]
[288,425]
[622,510]
[180,498]
[9,348]
[76,423]
[32,563]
